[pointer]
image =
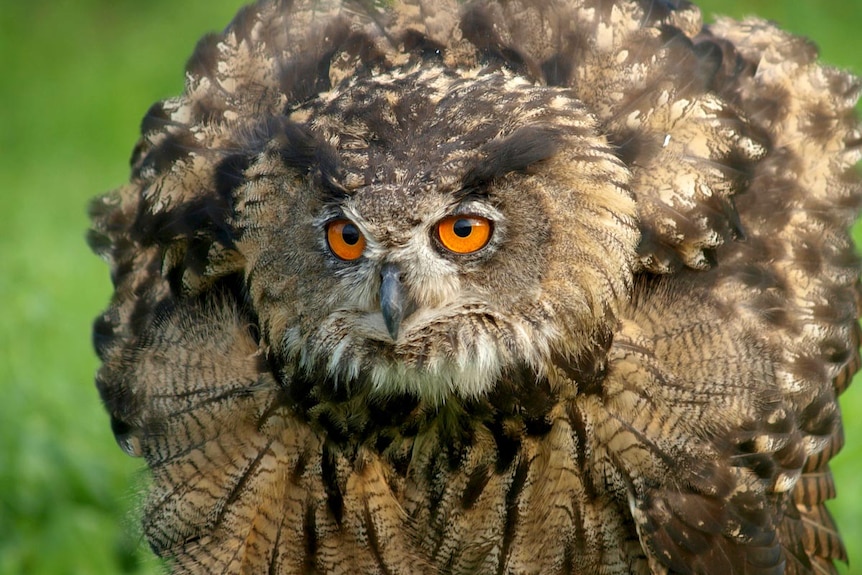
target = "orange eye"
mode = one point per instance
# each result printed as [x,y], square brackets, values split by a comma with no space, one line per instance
[464,234]
[344,239]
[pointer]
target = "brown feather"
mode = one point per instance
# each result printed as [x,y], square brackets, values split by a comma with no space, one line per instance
[636,372]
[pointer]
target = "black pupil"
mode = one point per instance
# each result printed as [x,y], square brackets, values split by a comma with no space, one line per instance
[462,228]
[350,234]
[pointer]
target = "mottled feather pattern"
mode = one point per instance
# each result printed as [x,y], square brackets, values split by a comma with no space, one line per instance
[637,373]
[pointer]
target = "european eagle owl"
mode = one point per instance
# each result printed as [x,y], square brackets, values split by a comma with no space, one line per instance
[505,286]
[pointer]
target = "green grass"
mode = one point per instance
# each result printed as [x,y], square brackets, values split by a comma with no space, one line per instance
[76,79]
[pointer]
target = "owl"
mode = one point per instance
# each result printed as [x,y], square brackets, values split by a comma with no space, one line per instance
[505,286]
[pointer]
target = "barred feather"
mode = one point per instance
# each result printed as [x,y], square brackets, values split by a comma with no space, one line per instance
[637,372]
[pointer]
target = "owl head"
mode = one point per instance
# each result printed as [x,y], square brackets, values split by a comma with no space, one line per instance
[418,202]
[423,231]
[421,212]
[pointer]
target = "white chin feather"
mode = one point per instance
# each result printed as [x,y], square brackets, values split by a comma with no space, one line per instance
[349,352]
[434,384]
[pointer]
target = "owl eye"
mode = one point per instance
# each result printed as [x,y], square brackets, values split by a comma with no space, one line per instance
[464,234]
[344,239]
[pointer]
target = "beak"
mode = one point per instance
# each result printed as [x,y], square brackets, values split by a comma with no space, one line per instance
[391,298]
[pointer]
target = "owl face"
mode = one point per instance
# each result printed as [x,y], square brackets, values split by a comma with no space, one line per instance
[437,210]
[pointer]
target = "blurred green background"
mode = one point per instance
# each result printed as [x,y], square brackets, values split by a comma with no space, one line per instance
[75,79]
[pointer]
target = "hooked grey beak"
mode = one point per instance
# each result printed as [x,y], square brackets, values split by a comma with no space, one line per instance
[391,298]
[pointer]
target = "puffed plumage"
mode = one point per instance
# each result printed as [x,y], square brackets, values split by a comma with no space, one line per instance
[637,372]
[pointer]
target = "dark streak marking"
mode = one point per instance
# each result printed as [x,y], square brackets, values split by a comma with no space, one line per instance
[334,497]
[309,528]
[374,540]
[238,487]
[512,512]
[579,429]
[273,558]
[475,486]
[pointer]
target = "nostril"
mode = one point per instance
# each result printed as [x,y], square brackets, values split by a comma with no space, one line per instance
[391,272]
